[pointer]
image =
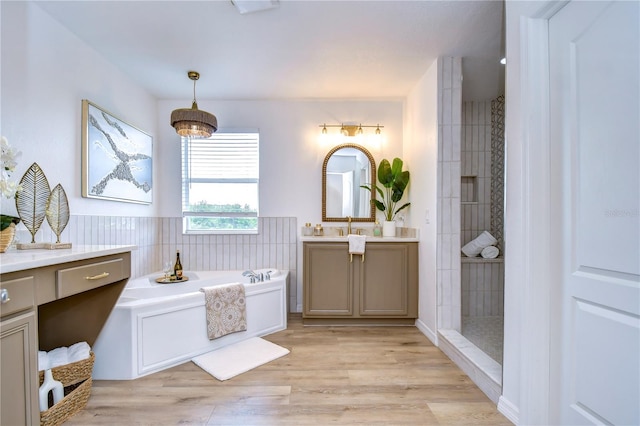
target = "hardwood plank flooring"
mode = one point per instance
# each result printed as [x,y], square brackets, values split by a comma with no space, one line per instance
[333,375]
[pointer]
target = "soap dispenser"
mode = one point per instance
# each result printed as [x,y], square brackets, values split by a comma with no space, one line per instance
[377,229]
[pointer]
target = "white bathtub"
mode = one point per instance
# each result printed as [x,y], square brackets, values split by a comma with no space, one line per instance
[157,326]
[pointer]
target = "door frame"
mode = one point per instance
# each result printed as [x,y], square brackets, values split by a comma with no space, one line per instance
[537,291]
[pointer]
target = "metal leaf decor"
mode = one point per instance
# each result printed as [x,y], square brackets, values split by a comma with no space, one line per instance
[58,210]
[31,202]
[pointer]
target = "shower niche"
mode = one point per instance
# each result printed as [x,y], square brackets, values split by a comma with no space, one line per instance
[468,189]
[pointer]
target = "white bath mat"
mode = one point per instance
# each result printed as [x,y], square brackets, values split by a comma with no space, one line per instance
[239,358]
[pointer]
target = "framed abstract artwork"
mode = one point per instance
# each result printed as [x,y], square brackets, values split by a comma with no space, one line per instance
[117,158]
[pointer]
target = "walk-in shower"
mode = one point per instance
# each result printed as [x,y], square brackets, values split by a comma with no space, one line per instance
[482,209]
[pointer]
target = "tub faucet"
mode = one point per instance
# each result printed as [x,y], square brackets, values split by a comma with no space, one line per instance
[348,225]
[252,276]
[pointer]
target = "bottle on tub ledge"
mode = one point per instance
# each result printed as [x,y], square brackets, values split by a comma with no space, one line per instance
[177,268]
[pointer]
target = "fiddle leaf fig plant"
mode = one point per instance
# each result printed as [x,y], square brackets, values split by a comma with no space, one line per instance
[393,181]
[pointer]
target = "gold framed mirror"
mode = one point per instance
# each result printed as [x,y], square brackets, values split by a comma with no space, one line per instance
[345,168]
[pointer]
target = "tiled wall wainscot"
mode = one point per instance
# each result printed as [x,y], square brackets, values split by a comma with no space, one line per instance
[158,238]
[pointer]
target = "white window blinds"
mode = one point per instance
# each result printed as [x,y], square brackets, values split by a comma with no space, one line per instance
[220,178]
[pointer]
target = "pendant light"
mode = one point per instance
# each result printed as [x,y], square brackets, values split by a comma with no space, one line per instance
[192,122]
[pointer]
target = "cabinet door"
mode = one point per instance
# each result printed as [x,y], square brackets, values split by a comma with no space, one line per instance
[328,283]
[386,280]
[18,371]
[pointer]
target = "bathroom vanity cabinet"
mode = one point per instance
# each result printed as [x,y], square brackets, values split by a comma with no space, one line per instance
[51,299]
[382,288]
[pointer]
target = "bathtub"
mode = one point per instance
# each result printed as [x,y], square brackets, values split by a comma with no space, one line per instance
[156,326]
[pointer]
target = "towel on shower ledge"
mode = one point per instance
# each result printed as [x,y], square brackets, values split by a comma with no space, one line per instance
[356,243]
[225,309]
[475,246]
[490,252]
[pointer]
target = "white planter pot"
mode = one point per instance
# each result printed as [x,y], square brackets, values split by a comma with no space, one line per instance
[389,228]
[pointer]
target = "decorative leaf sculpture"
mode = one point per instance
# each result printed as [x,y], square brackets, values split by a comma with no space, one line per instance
[31,202]
[58,210]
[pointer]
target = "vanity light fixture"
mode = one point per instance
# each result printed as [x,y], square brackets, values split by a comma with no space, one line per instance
[193,122]
[350,129]
[250,6]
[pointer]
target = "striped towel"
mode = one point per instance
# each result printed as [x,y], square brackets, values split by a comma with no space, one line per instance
[226,309]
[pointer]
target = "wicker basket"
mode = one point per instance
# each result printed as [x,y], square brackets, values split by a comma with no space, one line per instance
[6,237]
[76,379]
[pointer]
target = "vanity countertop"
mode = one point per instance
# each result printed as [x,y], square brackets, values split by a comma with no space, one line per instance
[19,260]
[370,239]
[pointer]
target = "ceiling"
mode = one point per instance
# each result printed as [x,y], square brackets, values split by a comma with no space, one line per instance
[298,50]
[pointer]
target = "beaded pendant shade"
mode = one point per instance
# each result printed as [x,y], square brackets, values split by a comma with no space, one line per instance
[192,122]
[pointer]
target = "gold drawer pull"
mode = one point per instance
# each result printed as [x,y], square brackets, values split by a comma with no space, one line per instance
[97,277]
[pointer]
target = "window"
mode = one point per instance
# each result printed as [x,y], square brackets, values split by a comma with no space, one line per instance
[220,184]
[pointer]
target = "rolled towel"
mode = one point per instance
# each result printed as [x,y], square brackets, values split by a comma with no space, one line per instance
[474,247]
[490,252]
[58,357]
[43,361]
[79,351]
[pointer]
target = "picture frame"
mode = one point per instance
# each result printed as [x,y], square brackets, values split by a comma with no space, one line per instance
[117,158]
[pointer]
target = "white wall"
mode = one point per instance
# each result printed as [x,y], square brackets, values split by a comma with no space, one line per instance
[421,159]
[291,150]
[46,72]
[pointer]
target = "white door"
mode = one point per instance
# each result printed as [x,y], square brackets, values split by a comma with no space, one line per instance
[595,174]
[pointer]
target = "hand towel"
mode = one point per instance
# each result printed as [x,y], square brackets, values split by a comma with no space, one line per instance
[78,352]
[490,252]
[356,243]
[58,357]
[474,247]
[225,309]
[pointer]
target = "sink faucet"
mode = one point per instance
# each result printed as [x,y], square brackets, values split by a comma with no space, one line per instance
[348,225]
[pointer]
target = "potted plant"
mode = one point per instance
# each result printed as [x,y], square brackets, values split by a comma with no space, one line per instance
[394,181]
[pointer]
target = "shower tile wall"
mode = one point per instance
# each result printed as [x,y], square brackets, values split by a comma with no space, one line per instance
[476,170]
[158,239]
[448,250]
[482,280]
[482,289]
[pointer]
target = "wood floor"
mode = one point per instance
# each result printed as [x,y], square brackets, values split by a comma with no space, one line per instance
[333,375]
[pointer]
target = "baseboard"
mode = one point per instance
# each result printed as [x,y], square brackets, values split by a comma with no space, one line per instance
[480,367]
[508,410]
[431,335]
